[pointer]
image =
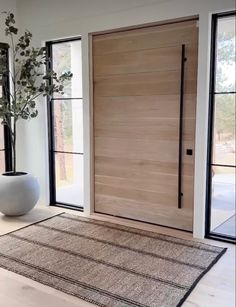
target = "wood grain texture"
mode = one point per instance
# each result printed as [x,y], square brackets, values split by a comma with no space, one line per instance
[148,60]
[147,38]
[136,90]
[144,84]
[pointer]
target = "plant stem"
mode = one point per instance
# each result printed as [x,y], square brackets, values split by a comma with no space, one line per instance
[14,146]
[14,105]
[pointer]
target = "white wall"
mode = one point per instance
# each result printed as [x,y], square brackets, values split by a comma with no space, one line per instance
[53,19]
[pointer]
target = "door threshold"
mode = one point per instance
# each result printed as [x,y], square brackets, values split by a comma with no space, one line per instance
[130,222]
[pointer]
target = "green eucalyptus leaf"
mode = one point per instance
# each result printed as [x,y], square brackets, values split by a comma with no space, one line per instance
[29,79]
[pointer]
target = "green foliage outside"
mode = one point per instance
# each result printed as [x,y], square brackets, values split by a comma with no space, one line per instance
[62,63]
[225,104]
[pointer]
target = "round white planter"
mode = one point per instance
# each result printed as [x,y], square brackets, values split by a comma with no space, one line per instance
[18,193]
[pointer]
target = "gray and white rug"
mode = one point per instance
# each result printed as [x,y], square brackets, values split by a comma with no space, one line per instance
[107,264]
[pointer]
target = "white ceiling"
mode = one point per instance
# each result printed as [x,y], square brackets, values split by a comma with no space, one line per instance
[78,8]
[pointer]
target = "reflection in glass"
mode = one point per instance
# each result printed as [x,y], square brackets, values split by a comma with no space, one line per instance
[68,125]
[67,57]
[224,130]
[69,178]
[1,137]
[2,162]
[4,64]
[225,55]
[223,201]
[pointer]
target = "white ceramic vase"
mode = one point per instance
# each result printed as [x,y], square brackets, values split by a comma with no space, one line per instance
[18,193]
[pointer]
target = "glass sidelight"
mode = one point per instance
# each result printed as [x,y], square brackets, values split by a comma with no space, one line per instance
[5,147]
[222,158]
[2,151]
[66,127]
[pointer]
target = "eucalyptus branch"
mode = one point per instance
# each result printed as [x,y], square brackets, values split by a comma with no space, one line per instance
[28,80]
[29,101]
[14,74]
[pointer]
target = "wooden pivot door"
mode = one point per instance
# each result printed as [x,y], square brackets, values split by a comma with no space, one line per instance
[144,96]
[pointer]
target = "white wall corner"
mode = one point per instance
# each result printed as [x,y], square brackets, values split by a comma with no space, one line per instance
[202,126]
[88,129]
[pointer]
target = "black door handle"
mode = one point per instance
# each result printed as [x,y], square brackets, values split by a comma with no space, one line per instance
[181,110]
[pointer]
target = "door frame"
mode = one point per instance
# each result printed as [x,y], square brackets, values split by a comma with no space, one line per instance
[51,136]
[208,233]
[91,107]
[6,132]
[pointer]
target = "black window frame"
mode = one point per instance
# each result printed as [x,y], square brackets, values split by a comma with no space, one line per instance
[51,143]
[6,132]
[208,233]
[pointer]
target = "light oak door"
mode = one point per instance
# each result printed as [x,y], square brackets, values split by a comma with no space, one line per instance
[144,96]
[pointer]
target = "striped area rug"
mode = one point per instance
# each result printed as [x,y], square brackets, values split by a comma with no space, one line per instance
[107,264]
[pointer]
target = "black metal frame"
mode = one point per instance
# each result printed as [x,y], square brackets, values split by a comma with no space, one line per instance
[212,93]
[7,136]
[51,145]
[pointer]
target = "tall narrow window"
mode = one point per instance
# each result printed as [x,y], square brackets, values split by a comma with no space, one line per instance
[222,159]
[5,147]
[66,127]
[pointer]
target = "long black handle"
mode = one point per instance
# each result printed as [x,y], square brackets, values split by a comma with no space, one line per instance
[181,109]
